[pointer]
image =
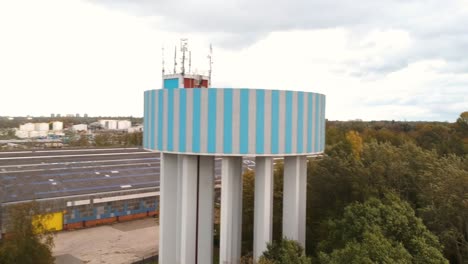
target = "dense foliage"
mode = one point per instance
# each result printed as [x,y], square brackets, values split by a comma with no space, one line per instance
[28,240]
[284,251]
[377,179]
[379,231]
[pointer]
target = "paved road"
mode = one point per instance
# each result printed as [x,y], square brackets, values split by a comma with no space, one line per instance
[120,243]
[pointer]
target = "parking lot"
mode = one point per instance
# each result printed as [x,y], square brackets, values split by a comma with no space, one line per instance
[121,243]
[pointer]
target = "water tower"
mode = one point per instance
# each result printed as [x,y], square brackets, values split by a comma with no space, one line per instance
[190,127]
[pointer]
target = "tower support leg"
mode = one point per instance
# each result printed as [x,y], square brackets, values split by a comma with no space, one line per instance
[231,210]
[263,208]
[294,198]
[168,209]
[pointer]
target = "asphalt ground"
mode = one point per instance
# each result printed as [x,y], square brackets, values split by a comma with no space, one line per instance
[28,175]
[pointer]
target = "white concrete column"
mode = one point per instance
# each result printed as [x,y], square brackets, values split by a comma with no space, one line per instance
[231,210]
[263,210]
[179,207]
[206,210]
[167,209]
[188,227]
[294,198]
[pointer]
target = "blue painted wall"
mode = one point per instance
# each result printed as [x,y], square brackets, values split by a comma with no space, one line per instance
[171,83]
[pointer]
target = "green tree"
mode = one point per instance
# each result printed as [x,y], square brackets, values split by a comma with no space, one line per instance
[380,231]
[248,185]
[284,251]
[28,240]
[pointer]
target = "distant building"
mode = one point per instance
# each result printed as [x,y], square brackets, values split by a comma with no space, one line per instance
[86,115]
[59,115]
[135,129]
[52,115]
[27,127]
[124,124]
[111,124]
[57,126]
[77,115]
[80,127]
[22,133]
[41,126]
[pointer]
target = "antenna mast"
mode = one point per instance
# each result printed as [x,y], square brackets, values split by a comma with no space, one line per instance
[210,58]
[163,61]
[183,48]
[175,59]
[189,62]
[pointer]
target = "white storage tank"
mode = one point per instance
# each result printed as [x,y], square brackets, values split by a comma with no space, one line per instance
[80,127]
[43,133]
[103,123]
[57,126]
[108,124]
[22,134]
[124,124]
[112,124]
[33,134]
[27,127]
[42,127]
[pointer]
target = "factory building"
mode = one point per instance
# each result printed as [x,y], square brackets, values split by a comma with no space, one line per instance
[81,188]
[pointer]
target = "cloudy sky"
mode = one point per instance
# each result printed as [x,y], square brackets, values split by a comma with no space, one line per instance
[376,60]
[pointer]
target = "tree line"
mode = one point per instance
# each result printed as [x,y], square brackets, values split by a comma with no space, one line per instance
[385,192]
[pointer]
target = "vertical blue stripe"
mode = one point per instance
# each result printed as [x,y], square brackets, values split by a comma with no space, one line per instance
[317,123]
[309,122]
[145,121]
[227,146]
[160,118]
[146,127]
[182,120]
[196,120]
[288,127]
[170,119]
[323,123]
[300,121]
[152,121]
[212,95]
[274,122]
[260,121]
[244,121]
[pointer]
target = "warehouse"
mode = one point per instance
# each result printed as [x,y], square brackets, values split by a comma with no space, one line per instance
[81,188]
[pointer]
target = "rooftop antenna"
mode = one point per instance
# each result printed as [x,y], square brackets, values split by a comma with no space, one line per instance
[183,49]
[175,59]
[163,60]
[189,62]
[210,58]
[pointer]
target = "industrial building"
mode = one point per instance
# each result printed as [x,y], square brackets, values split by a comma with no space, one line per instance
[81,188]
